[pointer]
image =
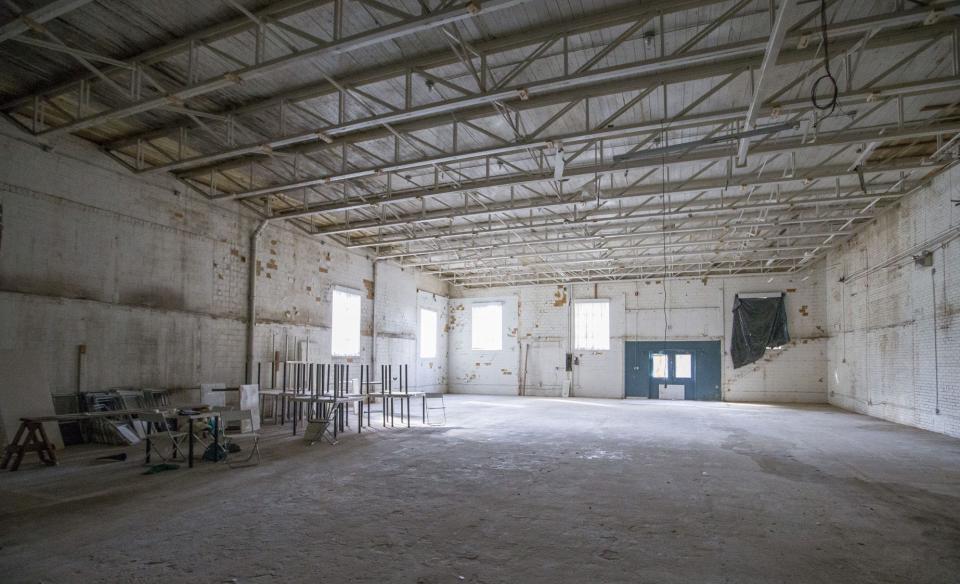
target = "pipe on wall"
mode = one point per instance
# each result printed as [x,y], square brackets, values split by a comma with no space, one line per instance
[373,319]
[572,375]
[252,300]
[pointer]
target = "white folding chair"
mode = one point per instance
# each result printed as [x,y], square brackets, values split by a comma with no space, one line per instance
[442,408]
[245,419]
[158,430]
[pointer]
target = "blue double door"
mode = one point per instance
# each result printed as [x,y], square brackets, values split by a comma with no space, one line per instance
[678,369]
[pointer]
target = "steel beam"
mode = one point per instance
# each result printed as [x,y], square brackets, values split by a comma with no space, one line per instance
[713,273]
[706,62]
[72,51]
[787,145]
[565,223]
[826,196]
[599,21]
[491,263]
[622,261]
[45,13]
[237,76]
[770,56]
[675,123]
[606,238]
[636,272]
[708,258]
[281,9]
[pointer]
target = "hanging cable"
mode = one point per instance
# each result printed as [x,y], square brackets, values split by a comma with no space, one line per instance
[831,104]
[663,230]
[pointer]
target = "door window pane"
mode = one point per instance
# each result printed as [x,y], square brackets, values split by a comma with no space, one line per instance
[683,366]
[659,366]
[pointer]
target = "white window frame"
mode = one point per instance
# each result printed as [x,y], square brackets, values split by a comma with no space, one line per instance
[335,349]
[580,342]
[473,338]
[436,333]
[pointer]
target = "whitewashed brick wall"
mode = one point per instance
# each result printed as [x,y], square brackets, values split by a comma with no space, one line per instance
[882,360]
[487,372]
[695,310]
[153,279]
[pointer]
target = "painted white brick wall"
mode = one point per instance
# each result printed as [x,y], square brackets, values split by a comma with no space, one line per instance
[487,372]
[695,310]
[882,360]
[431,373]
[153,280]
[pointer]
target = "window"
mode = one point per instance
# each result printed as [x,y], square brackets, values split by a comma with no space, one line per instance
[428,333]
[659,365]
[683,366]
[345,341]
[486,323]
[591,324]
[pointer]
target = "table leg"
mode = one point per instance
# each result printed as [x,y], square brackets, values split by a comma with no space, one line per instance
[46,447]
[190,446]
[216,437]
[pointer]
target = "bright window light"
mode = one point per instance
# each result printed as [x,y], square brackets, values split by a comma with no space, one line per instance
[683,366]
[428,333]
[346,324]
[592,325]
[486,324]
[659,366]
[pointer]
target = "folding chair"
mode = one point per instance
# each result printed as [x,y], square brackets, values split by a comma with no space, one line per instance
[320,427]
[442,407]
[157,429]
[156,398]
[245,419]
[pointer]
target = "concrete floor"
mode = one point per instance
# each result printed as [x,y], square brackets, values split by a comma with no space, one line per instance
[518,490]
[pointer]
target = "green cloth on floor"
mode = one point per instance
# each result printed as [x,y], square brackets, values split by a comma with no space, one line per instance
[161,467]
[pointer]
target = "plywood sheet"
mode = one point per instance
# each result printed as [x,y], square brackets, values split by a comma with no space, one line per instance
[25,391]
[671,391]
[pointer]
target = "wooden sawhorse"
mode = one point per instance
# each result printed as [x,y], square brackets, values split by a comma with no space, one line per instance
[34,440]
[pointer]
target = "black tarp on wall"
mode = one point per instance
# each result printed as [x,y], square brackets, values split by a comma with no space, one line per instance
[758,323]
